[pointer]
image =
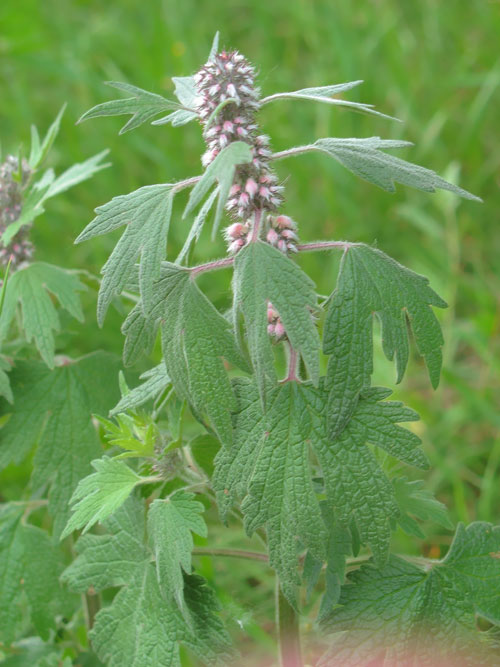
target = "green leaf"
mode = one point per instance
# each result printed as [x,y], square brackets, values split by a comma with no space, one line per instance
[40,150]
[269,464]
[196,228]
[220,171]
[157,381]
[98,495]
[142,106]
[195,338]
[50,186]
[338,547]
[142,627]
[78,173]
[30,563]
[371,283]
[415,501]
[30,287]
[146,213]
[324,93]
[365,159]
[52,410]
[185,91]
[263,274]
[406,614]
[204,449]
[355,485]
[5,389]
[171,523]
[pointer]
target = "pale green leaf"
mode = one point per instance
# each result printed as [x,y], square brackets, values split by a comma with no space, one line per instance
[262,274]
[195,339]
[196,228]
[270,466]
[142,627]
[414,500]
[156,381]
[407,614]
[5,389]
[171,523]
[365,159]
[52,410]
[78,173]
[324,93]
[39,150]
[98,495]
[220,171]
[146,213]
[30,287]
[142,106]
[30,563]
[371,283]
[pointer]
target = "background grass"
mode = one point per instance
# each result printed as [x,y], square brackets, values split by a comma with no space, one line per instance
[433,64]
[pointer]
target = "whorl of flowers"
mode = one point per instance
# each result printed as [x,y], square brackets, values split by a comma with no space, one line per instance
[229,80]
[20,249]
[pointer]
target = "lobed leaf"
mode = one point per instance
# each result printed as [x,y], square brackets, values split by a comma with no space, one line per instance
[416,501]
[270,466]
[30,288]
[365,159]
[220,171]
[157,381]
[52,411]
[146,212]
[142,106]
[195,339]
[263,274]
[324,93]
[171,523]
[404,613]
[100,494]
[30,564]
[370,282]
[141,627]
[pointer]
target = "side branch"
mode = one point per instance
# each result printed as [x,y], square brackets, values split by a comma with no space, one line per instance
[181,185]
[324,245]
[211,266]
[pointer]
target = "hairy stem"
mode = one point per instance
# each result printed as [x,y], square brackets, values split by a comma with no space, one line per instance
[293,151]
[212,266]
[323,245]
[288,627]
[292,365]
[256,226]
[232,553]
[186,183]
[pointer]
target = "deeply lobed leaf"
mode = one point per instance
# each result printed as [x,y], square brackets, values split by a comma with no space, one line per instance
[371,283]
[407,614]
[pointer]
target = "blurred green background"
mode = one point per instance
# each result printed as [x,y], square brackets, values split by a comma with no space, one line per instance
[433,64]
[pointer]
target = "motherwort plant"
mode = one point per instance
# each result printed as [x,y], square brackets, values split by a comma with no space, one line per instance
[295,459]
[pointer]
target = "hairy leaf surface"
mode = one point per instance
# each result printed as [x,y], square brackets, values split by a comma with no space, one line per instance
[371,283]
[146,212]
[142,627]
[100,494]
[30,287]
[195,340]
[171,523]
[156,381]
[220,171]
[52,409]
[263,274]
[142,106]
[31,563]
[409,614]
[270,466]
[365,159]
